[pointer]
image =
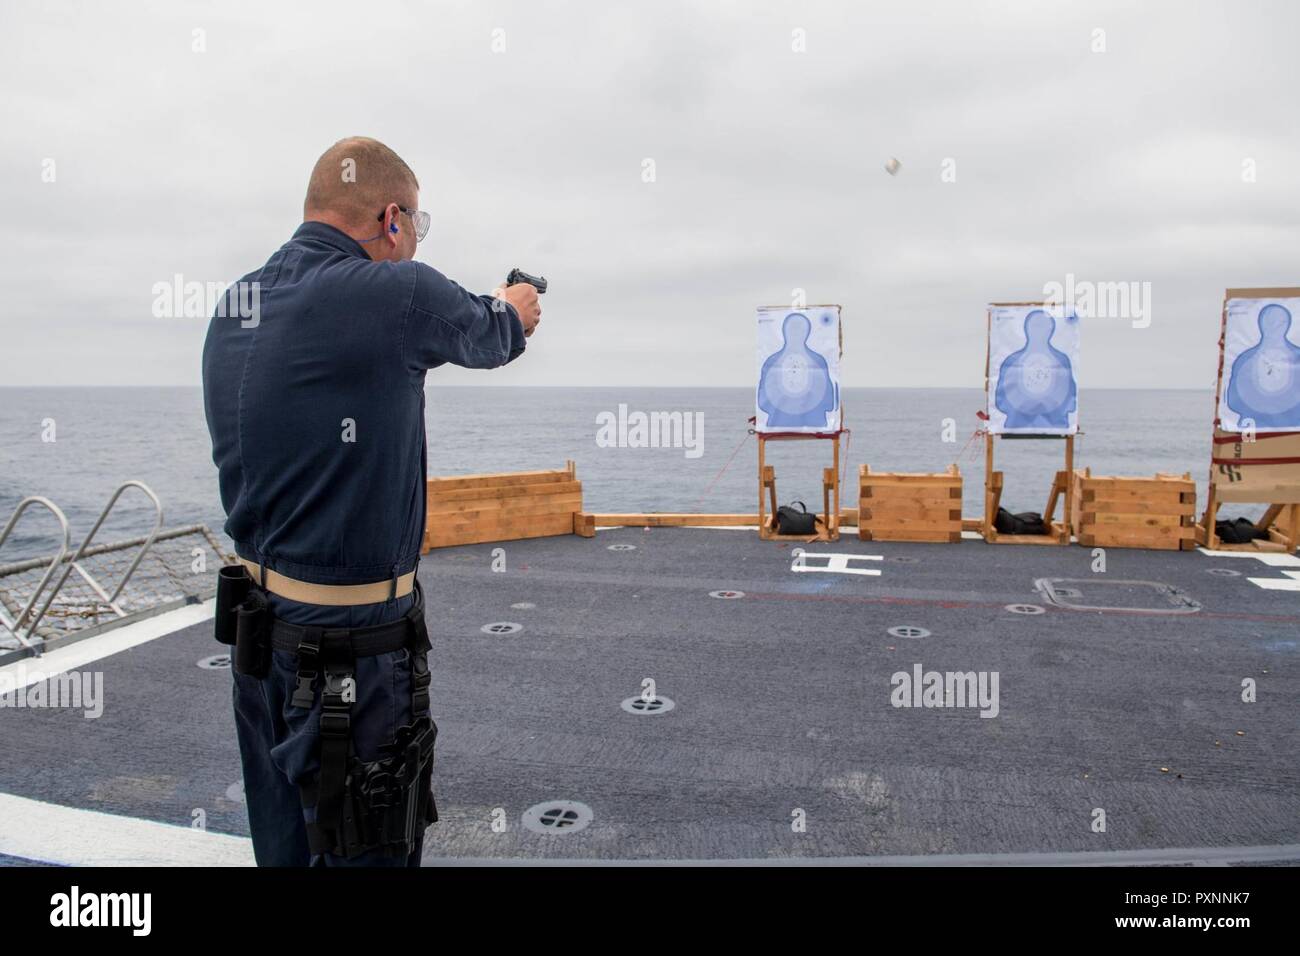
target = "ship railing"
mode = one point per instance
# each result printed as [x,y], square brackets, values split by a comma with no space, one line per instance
[166,568]
[14,625]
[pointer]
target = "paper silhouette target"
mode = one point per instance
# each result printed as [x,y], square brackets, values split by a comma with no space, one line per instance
[1033,362]
[1261,366]
[798,369]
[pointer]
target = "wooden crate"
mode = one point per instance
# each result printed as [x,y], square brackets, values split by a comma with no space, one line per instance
[472,509]
[897,506]
[1114,512]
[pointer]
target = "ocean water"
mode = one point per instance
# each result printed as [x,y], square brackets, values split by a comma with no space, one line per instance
[104,436]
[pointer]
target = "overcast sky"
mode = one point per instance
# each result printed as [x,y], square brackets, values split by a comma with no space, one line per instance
[1128,164]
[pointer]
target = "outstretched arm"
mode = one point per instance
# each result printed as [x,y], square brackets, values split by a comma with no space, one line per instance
[447,323]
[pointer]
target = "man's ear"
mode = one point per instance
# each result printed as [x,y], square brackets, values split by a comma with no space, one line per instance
[393,230]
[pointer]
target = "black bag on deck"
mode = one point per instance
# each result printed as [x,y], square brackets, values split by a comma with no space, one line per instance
[1238,531]
[1027,522]
[789,521]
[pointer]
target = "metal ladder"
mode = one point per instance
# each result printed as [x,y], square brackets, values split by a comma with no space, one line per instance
[29,621]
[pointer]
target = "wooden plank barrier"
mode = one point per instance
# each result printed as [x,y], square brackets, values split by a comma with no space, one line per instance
[664,519]
[508,506]
[898,506]
[1157,513]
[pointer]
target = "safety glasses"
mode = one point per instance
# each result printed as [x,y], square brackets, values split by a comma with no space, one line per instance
[419,218]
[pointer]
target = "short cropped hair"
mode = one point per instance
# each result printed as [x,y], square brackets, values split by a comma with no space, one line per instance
[356,177]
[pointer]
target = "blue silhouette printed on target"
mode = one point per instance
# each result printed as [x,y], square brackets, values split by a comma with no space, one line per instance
[1261,367]
[798,378]
[1033,356]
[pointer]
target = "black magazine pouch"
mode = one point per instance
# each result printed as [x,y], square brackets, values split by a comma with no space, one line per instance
[253,635]
[233,582]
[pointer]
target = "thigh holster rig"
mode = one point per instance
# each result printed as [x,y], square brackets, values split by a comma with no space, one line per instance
[385,803]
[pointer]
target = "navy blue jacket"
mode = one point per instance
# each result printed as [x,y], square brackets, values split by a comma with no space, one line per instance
[338,349]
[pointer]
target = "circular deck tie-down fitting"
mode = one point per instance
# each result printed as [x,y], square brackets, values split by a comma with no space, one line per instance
[621,547]
[502,627]
[217,662]
[727,595]
[1223,572]
[655,705]
[908,631]
[557,816]
[1026,609]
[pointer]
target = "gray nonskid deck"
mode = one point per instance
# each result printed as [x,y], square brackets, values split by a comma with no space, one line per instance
[782,707]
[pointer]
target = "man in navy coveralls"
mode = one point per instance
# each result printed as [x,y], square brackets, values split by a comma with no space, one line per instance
[315,406]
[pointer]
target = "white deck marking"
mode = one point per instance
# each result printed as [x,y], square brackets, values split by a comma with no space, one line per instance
[835,563]
[51,833]
[1274,560]
[1289,583]
[29,670]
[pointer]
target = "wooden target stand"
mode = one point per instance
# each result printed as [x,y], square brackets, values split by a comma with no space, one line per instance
[993,480]
[1061,489]
[828,523]
[1263,471]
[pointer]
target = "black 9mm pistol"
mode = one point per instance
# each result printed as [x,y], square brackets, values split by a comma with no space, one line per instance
[519,275]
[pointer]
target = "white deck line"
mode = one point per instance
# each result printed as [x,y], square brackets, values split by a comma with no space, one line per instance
[51,833]
[1289,583]
[1274,559]
[29,670]
[1194,856]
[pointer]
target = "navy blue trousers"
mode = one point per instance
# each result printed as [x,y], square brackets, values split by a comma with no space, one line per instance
[279,744]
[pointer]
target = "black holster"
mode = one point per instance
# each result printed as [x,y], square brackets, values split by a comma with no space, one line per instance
[388,802]
[383,804]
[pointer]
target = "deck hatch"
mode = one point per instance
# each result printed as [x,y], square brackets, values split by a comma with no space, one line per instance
[1110,594]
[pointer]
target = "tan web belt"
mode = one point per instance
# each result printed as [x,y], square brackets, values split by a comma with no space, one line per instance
[333,595]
